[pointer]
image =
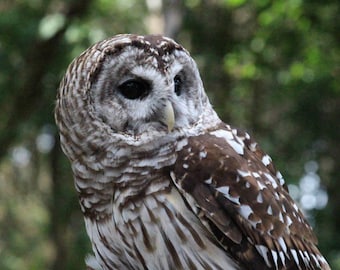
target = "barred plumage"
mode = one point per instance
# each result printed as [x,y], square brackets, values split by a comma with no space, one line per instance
[163,183]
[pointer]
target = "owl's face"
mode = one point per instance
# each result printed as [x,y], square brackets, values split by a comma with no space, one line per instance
[130,89]
[149,85]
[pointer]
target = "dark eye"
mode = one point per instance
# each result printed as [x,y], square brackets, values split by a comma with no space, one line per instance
[178,85]
[134,88]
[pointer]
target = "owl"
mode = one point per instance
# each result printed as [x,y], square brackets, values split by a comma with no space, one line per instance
[163,183]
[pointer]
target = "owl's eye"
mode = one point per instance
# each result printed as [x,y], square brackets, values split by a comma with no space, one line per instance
[178,85]
[134,88]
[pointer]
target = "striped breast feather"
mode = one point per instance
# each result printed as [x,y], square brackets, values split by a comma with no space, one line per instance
[242,200]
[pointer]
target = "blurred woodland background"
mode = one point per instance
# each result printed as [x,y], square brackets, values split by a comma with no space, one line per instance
[270,67]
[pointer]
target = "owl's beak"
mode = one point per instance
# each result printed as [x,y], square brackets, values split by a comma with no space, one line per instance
[169,115]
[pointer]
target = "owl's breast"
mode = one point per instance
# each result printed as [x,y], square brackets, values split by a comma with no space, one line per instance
[156,231]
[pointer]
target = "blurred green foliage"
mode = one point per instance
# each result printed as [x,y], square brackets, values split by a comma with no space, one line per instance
[271,67]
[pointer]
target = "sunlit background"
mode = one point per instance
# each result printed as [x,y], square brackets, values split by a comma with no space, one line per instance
[270,67]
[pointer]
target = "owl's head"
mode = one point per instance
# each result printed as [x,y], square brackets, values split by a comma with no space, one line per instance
[132,85]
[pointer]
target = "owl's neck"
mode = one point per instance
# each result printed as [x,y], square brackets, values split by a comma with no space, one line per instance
[122,169]
[129,165]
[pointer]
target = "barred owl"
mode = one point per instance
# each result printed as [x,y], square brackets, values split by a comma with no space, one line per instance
[163,183]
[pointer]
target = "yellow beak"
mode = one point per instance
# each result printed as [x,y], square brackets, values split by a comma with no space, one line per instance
[169,115]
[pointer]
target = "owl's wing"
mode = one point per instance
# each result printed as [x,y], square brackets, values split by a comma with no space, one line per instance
[235,191]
